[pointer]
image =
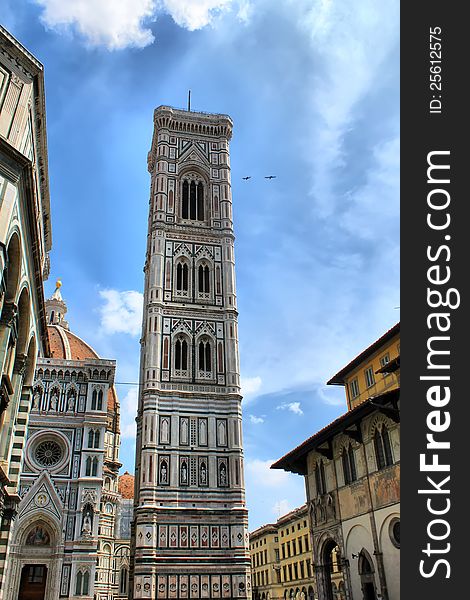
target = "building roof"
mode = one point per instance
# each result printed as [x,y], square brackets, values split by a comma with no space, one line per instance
[295,461]
[339,378]
[126,485]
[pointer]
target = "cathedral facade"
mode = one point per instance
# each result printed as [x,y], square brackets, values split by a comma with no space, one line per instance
[69,537]
[190,536]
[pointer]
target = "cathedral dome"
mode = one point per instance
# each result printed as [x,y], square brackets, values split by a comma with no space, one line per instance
[68,346]
[126,485]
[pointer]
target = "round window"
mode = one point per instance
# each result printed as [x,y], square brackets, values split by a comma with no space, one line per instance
[394,531]
[48,453]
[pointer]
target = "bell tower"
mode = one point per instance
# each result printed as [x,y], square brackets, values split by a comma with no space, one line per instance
[190,531]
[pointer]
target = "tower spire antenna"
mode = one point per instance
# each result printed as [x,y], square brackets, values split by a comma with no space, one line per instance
[189,100]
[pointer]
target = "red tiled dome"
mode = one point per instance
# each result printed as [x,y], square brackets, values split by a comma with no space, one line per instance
[66,345]
[126,485]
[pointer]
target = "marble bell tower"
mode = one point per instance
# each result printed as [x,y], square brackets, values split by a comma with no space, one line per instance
[190,536]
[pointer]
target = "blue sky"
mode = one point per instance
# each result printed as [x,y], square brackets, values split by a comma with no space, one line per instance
[312,87]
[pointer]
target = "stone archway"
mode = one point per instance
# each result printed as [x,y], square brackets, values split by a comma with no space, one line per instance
[331,573]
[36,555]
[366,573]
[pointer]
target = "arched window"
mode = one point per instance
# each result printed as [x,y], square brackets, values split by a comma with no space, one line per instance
[91,438]
[203,279]
[349,465]
[204,356]
[383,450]
[86,583]
[78,586]
[100,400]
[192,201]
[181,355]
[82,583]
[88,466]
[94,397]
[123,581]
[320,478]
[94,467]
[97,439]
[200,202]
[185,200]
[182,277]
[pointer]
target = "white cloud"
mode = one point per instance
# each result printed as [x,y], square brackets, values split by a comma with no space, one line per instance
[260,472]
[194,14]
[331,397]
[122,312]
[250,386]
[129,412]
[255,420]
[352,43]
[110,23]
[292,406]
[118,24]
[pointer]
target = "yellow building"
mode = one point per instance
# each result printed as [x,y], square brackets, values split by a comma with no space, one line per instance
[352,473]
[369,374]
[281,558]
[265,564]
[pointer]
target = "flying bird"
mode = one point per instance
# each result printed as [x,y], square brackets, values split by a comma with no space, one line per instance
[270,176]
[248,177]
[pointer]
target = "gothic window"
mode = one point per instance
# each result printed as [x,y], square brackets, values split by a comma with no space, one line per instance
[100,400]
[203,279]
[94,397]
[192,201]
[349,464]
[123,581]
[218,282]
[181,355]
[200,202]
[82,583]
[91,438]
[97,439]
[182,277]
[185,200]
[383,450]
[91,466]
[204,357]
[320,478]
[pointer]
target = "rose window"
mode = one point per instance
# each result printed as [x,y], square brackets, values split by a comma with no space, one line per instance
[48,453]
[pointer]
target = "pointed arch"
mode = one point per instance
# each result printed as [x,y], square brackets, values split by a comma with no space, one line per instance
[181,355]
[11,273]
